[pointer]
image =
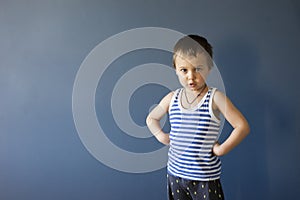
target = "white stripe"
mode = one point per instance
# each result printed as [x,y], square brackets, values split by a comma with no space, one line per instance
[197,159]
[194,135]
[198,154]
[195,139]
[185,144]
[197,171]
[209,164]
[200,150]
[173,121]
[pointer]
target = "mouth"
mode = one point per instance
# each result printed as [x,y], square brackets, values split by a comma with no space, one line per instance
[192,85]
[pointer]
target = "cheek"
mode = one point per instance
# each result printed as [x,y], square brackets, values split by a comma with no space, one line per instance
[179,75]
[181,78]
[203,75]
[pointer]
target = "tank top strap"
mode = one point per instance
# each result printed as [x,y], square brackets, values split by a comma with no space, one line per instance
[175,97]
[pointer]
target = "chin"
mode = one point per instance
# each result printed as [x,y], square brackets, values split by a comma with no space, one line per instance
[193,89]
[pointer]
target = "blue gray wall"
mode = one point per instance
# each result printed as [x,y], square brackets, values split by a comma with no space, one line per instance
[42,45]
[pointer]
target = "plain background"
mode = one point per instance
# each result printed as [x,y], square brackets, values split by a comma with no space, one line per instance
[43,43]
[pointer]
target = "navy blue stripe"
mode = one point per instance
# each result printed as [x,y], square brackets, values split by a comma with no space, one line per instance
[191,114]
[212,161]
[196,124]
[179,164]
[189,150]
[201,173]
[192,119]
[195,129]
[198,135]
[213,123]
[173,132]
[213,158]
[189,143]
[188,123]
[202,110]
[195,140]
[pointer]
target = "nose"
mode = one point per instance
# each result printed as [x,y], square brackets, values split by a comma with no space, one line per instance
[191,75]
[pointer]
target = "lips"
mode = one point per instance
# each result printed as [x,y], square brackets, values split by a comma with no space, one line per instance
[192,85]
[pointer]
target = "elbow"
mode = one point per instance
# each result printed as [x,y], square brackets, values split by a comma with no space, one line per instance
[246,128]
[243,128]
[148,120]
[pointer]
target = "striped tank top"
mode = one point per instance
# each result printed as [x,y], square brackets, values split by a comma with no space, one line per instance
[192,136]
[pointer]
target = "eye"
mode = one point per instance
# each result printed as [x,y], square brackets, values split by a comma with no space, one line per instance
[198,69]
[183,70]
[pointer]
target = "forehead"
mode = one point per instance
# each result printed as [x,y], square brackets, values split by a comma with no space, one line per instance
[183,60]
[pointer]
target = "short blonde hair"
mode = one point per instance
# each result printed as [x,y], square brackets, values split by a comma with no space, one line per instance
[192,45]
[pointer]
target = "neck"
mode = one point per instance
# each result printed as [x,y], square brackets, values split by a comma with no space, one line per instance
[196,92]
[195,96]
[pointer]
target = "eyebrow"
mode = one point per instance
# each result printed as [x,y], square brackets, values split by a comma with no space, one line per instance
[198,66]
[182,67]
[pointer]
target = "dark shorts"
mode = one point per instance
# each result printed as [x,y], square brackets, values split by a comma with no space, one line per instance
[183,189]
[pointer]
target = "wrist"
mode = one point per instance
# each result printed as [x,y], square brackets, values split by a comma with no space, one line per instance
[159,133]
[163,138]
[218,150]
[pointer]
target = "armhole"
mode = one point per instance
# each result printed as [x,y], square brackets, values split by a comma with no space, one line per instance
[176,93]
[211,112]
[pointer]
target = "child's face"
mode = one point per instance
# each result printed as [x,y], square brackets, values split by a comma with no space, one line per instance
[192,71]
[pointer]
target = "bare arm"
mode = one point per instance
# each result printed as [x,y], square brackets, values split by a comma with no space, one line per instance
[240,125]
[155,116]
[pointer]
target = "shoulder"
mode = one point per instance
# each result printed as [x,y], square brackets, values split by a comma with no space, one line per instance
[224,104]
[167,99]
[219,98]
[171,94]
[218,95]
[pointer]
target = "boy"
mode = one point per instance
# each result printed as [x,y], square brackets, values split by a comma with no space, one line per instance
[194,168]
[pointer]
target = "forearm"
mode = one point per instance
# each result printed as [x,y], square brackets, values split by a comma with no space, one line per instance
[235,138]
[154,126]
[154,117]
[156,130]
[237,121]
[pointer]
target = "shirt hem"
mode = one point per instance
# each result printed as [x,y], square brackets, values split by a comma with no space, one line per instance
[192,178]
